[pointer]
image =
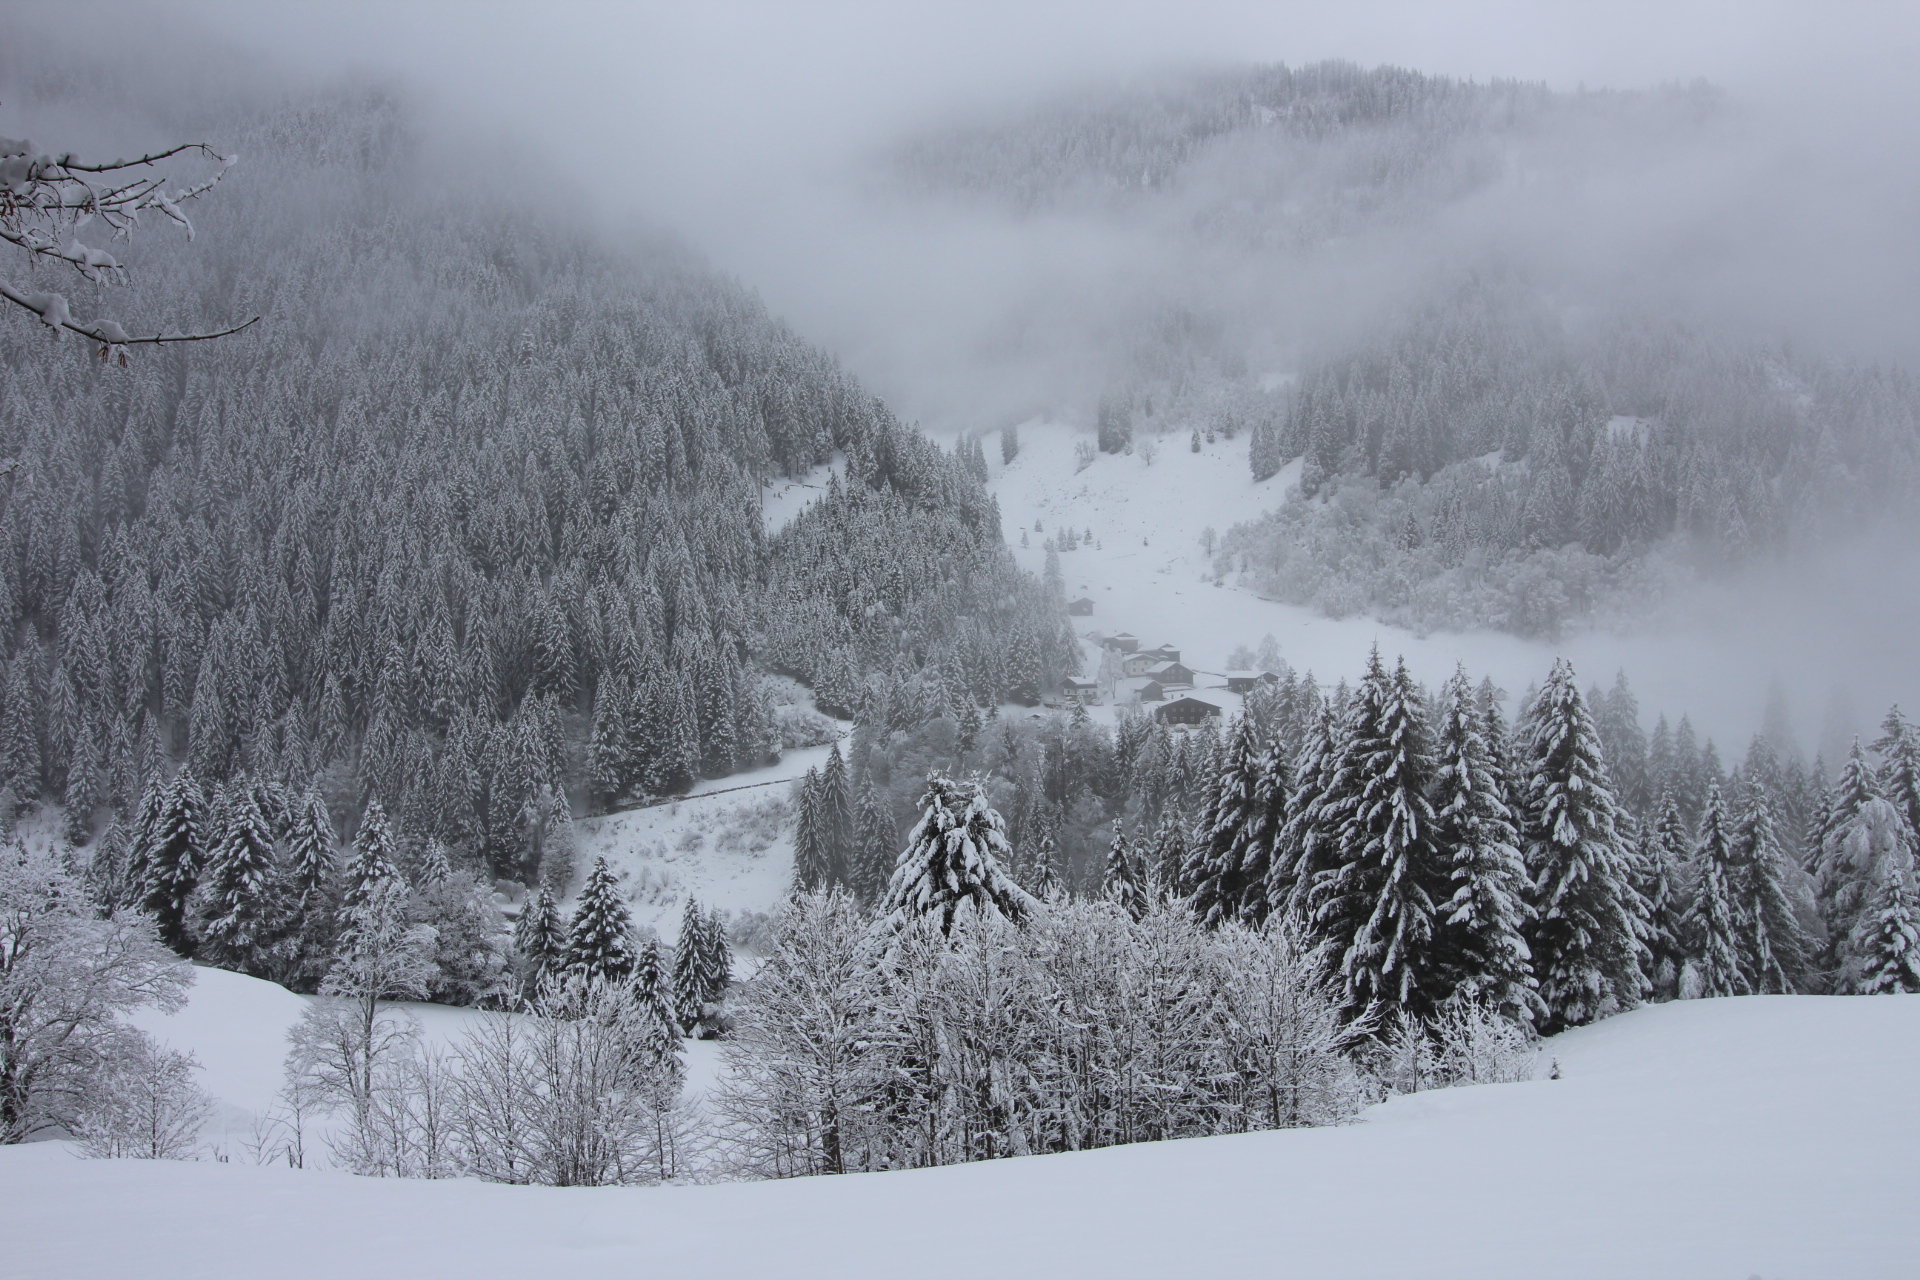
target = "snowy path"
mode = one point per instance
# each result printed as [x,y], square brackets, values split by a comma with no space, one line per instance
[1767,1136]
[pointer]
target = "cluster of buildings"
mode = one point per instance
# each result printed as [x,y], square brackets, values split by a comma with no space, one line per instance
[1157,677]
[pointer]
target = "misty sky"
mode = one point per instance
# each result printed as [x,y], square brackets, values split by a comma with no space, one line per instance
[738,125]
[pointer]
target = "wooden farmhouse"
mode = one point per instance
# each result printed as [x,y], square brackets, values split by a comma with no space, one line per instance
[1125,642]
[1170,673]
[1186,711]
[1077,689]
[1081,608]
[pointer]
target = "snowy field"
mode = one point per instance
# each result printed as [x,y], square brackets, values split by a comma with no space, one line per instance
[236,1028]
[1763,1136]
[729,844]
[1145,576]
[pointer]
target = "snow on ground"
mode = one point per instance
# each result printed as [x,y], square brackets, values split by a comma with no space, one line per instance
[1144,572]
[236,1029]
[729,843]
[1761,1136]
[1145,569]
[782,499]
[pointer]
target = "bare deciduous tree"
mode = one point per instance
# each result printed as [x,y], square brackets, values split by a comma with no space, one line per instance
[65,977]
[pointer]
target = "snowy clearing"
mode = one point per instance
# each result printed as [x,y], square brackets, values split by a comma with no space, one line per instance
[729,843]
[1768,1136]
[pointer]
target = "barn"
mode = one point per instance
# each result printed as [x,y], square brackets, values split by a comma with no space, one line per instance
[1170,673]
[1186,711]
[1081,608]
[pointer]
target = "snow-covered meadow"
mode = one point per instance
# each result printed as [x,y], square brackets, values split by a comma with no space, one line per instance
[1758,1136]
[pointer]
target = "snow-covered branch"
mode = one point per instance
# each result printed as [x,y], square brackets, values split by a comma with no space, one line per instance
[47,201]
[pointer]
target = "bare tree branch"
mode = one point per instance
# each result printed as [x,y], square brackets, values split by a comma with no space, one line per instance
[46,201]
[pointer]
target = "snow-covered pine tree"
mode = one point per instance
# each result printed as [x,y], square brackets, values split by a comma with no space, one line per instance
[1375,913]
[1589,923]
[608,754]
[1889,943]
[376,856]
[1119,880]
[1493,727]
[172,858]
[1773,946]
[600,938]
[1714,928]
[1899,750]
[141,841]
[1486,918]
[1862,828]
[236,915]
[690,982]
[310,861]
[659,1039]
[835,814]
[434,865]
[1045,870]
[954,857]
[1165,860]
[812,856]
[1306,846]
[1216,870]
[1659,881]
[1263,859]
[539,940]
[718,964]
[874,844]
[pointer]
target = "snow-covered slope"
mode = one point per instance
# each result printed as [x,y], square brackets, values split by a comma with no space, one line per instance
[1770,1136]
[1144,572]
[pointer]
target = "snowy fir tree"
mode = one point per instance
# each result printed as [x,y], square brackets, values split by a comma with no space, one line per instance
[1586,937]
[1226,871]
[1164,861]
[694,983]
[539,940]
[1487,914]
[717,966]
[812,848]
[954,857]
[874,847]
[1889,936]
[1861,853]
[1714,927]
[1306,847]
[1773,946]
[376,856]
[659,1034]
[1664,859]
[834,812]
[310,850]
[236,911]
[1899,750]
[171,858]
[600,938]
[1044,870]
[1837,881]
[1862,832]
[1119,879]
[1375,913]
